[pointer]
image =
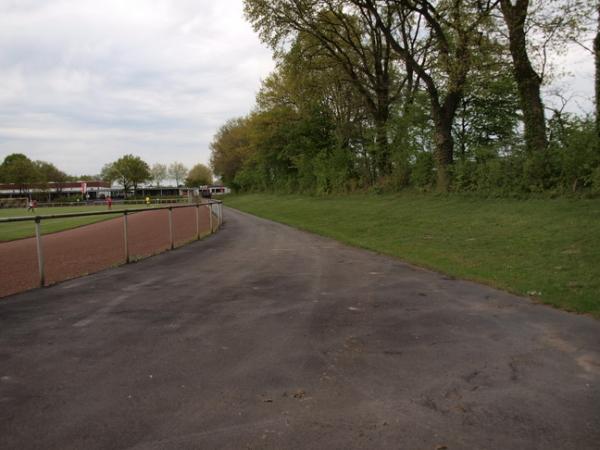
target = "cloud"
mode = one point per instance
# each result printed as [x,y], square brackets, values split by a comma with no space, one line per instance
[83,82]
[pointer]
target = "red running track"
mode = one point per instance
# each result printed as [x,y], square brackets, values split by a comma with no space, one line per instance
[79,251]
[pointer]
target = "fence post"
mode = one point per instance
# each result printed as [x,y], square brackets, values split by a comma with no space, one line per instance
[220,214]
[125,241]
[197,221]
[40,254]
[171,227]
[210,217]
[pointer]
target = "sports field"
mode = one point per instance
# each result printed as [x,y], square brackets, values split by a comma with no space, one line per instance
[20,230]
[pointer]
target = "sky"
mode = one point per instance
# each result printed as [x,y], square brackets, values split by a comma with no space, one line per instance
[83,82]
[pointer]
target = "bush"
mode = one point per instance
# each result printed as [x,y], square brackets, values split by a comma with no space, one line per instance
[422,174]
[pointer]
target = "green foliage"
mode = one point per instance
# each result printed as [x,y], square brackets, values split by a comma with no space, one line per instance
[422,174]
[48,172]
[574,158]
[128,171]
[199,175]
[339,114]
[18,169]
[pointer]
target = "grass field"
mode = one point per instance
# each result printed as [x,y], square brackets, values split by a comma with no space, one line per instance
[548,249]
[18,230]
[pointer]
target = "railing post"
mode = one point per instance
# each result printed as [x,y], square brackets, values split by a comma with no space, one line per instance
[210,214]
[220,214]
[171,227]
[197,221]
[40,253]
[125,240]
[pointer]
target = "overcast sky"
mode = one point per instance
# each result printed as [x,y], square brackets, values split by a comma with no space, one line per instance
[83,82]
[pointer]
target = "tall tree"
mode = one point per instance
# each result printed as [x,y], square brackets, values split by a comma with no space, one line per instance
[454,30]
[48,172]
[528,80]
[307,82]
[353,41]
[18,169]
[199,175]
[178,172]
[129,171]
[158,173]
[537,28]
[230,148]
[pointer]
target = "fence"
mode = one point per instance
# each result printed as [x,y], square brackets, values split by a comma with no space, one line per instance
[213,207]
[154,201]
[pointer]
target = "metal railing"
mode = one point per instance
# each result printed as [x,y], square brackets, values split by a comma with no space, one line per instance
[154,201]
[215,208]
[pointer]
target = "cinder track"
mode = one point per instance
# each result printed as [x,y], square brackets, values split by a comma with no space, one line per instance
[94,247]
[262,336]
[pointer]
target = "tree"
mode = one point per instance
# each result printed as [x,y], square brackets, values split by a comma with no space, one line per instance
[454,30]
[108,174]
[352,41]
[230,148]
[199,175]
[18,169]
[49,173]
[158,173]
[528,81]
[178,172]
[129,171]
[534,28]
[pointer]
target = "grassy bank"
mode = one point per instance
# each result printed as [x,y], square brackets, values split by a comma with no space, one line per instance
[19,230]
[546,248]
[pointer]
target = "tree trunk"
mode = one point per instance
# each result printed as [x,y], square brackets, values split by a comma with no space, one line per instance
[444,148]
[382,146]
[528,81]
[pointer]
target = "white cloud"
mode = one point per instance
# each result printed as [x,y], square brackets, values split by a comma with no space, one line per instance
[83,82]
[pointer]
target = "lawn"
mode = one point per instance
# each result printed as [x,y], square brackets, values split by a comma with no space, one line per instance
[548,249]
[18,230]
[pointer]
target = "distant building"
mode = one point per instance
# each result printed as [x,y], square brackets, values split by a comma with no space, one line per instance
[51,191]
[99,190]
[214,189]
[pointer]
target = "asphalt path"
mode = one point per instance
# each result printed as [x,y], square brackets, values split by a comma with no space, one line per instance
[263,336]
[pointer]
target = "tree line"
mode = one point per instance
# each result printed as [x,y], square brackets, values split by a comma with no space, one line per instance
[387,94]
[129,171]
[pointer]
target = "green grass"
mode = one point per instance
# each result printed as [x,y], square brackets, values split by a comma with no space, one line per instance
[547,246]
[19,230]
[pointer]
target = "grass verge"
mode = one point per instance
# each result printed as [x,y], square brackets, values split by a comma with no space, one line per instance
[548,249]
[19,230]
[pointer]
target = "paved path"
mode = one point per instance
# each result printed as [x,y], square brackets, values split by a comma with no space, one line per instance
[262,336]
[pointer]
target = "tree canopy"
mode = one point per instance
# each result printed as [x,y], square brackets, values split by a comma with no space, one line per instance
[129,171]
[432,94]
[199,175]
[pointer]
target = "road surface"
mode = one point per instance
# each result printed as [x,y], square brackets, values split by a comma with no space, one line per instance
[262,336]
